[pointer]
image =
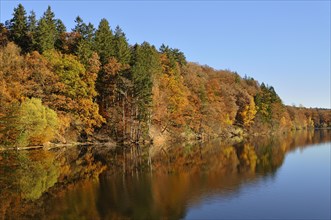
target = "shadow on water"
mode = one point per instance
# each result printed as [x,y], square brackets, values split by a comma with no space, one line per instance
[67,184]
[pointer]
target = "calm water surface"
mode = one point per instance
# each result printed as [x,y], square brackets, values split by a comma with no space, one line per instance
[287,177]
[300,189]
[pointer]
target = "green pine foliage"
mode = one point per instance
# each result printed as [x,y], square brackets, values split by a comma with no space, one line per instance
[121,46]
[46,31]
[145,65]
[174,55]
[32,31]
[104,41]
[19,27]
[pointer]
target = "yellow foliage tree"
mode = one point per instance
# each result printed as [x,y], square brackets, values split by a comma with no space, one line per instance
[30,123]
[249,112]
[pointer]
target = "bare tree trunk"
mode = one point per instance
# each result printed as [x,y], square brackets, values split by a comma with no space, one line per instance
[132,120]
[123,117]
[138,127]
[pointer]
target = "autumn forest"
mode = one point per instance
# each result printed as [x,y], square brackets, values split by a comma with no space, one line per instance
[89,84]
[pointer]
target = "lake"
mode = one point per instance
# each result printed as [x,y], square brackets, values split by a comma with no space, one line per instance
[283,177]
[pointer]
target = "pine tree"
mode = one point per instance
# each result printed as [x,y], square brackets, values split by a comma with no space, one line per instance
[79,27]
[60,41]
[122,49]
[103,41]
[174,55]
[89,32]
[179,57]
[83,40]
[60,27]
[46,31]
[85,31]
[145,64]
[19,28]
[84,51]
[32,31]
[168,52]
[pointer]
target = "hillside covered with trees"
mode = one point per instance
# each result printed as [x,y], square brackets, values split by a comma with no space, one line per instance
[89,83]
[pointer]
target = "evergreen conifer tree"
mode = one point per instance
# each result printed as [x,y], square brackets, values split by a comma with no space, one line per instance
[103,41]
[32,30]
[85,32]
[46,31]
[145,64]
[122,49]
[61,29]
[18,27]
[79,27]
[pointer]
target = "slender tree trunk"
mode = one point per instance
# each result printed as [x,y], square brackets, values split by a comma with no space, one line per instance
[138,126]
[123,118]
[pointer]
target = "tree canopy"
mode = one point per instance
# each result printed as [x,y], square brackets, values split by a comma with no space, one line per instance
[60,85]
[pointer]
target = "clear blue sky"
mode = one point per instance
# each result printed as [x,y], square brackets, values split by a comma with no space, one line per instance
[284,44]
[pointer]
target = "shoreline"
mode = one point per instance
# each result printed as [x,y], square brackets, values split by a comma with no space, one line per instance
[234,138]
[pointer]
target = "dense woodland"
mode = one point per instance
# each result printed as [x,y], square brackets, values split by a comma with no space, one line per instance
[90,84]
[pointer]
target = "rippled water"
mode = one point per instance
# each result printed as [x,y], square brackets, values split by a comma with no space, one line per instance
[286,177]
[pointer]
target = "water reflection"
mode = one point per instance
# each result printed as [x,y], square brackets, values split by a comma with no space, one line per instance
[188,174]
[27,178]
[181,178]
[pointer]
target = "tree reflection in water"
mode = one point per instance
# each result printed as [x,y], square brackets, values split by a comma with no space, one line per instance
[180,178]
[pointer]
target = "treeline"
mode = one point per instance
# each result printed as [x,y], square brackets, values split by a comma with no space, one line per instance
[90,83]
